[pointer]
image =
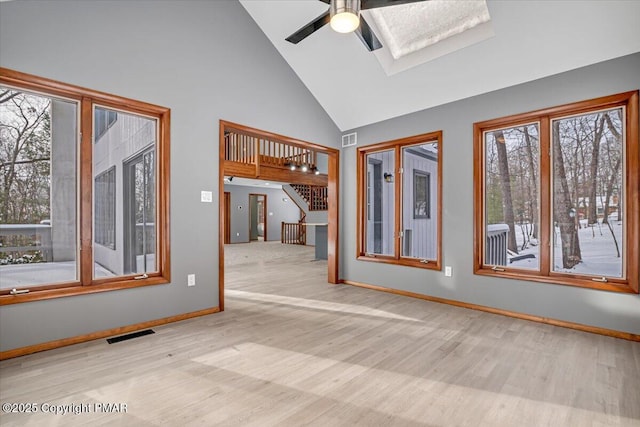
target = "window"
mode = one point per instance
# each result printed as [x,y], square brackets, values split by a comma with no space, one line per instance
[421,194]
[38,196]
[139,215]
[129,144]
[85,207]
[105,208]
[556,195]
[399,201]
[103,120]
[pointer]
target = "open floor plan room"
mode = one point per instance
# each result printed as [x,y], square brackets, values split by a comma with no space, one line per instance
[320,212]
[292,350]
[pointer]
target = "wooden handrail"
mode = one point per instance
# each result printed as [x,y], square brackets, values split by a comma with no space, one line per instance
[252,150]
[293,233]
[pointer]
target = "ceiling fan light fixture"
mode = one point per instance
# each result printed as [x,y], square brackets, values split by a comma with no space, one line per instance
[345,15]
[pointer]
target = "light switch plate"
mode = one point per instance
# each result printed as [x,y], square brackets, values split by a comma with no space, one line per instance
[206,196]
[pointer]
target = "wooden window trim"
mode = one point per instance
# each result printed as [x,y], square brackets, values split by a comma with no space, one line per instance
[544,117]
[361,179]
[86,98]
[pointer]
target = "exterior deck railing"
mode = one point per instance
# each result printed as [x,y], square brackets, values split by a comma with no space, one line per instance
[19,241]
[496,247]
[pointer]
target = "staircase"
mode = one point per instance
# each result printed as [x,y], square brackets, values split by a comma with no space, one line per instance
[294,233]
[304,229]
[316,197]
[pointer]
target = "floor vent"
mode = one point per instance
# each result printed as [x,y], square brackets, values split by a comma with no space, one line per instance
[130,336]
[349,139]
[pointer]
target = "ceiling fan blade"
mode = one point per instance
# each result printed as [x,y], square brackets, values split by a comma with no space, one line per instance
[374,4]
[309,29]
[366,34]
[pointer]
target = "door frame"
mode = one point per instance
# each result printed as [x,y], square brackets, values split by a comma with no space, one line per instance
[226,217]
[333,166]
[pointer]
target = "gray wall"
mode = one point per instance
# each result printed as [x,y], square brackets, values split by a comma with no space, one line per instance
[277,211]
[206,60]
[591,307]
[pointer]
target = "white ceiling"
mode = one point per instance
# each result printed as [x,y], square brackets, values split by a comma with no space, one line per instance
[533,39]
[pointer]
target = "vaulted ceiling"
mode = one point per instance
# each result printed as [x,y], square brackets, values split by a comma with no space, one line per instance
[531,40]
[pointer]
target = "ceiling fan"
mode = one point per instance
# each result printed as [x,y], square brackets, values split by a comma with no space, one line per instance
[344,17]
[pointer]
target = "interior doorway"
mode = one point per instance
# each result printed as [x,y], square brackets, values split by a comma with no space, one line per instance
[257,154]
[257,217]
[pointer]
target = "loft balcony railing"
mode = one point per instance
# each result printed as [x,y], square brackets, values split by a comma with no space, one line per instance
[250,156]
[252,150]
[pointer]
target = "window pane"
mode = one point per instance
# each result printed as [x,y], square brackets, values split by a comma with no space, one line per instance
[380,202]
[105,210]
[420,201]
[511,197]
[124,156]
[587,194]
[38,200]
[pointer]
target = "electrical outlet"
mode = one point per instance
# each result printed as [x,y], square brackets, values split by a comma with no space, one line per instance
[447,271]
[191,279]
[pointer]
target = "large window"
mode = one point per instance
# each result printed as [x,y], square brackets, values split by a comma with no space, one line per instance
[556,194]
[83,203]
[38,189]
[128,146]
[399,201]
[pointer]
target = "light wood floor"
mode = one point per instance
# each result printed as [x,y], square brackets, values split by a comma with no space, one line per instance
[292,350]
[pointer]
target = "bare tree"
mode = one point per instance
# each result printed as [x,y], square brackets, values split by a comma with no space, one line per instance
[592,216]
[533,187]
[613,176]
[505,184]
[614,168]
[562,206]
[25,145]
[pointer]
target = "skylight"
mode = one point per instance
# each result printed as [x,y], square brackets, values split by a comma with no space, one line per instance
[419,32]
